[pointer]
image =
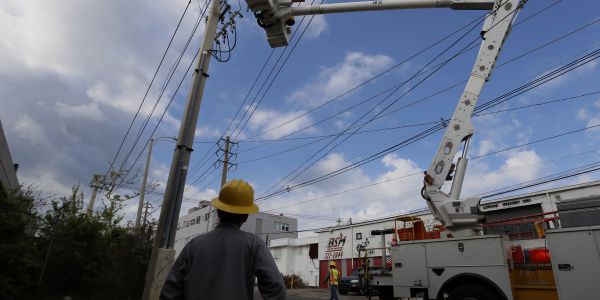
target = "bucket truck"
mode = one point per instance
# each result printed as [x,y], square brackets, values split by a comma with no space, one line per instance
[463,263]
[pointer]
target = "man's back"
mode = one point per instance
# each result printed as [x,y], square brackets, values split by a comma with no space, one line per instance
[222,264]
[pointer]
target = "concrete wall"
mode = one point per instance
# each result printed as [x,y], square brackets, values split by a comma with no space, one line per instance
[340,242]
[189,227]
[8,175]
[292,257]
[268,226]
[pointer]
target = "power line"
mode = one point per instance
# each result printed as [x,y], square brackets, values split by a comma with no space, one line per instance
[372,109]
[505,97]
[285,137]
[322,137]
[252,106]
[149,86]
[566,174]
[166,83]
[246,97]
[160,119]
[420,172]
[349,91]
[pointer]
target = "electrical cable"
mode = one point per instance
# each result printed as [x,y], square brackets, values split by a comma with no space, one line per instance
[167,81]
[505,97]
[297,41]
[425,98]
[322,137]
[370,110]
[148,89]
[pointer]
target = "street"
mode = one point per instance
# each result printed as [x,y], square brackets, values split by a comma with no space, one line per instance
[313,294]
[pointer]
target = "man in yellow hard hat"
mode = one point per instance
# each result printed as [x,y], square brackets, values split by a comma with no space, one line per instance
[223,263]
[333,276]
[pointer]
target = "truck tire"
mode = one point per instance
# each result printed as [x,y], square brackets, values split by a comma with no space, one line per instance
[472,292]
[386,293]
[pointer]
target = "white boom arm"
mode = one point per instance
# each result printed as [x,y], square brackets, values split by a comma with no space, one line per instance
[276,16]
[460,217]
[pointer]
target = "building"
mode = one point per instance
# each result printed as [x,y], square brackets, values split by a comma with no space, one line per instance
[8,170]
[516,216]
[339,243]
[298,257]
[266,226]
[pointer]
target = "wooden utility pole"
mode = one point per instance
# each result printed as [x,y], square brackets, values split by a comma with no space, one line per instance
[223,179]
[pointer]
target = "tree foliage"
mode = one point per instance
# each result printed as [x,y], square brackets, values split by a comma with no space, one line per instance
[73,253]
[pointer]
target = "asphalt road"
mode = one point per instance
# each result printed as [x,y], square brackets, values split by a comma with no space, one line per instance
[313,294]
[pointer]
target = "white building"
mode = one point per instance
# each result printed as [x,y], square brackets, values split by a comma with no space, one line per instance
[514,216]
[8,170]
[266,226]
[298,257]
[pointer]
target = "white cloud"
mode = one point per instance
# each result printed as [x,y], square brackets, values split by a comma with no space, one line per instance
[265,119]
[89,111]
[208,132]
[372,202]
[591,117]
[30,130]
[332,81]
[518,166]
[317,27]
[485,147]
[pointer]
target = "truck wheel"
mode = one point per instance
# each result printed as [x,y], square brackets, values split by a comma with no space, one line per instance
[386,293]
[472,292]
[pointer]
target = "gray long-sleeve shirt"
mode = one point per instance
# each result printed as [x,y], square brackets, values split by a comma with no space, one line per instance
[222,264]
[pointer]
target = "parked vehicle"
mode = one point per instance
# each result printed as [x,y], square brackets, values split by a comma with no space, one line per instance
[350,283]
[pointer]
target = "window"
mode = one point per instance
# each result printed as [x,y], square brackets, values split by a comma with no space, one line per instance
[282,226]
[186,224]
[206,217]
[359,235]
[178,226]
[193,222]
[198,219]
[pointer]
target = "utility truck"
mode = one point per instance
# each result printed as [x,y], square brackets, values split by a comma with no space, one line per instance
[460,262]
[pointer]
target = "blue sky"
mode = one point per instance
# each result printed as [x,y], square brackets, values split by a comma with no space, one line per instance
[92,64]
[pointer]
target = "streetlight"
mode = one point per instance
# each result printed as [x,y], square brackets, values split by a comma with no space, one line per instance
[145,179]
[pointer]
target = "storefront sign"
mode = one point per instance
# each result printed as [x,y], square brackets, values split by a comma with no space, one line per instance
[335,247]
[506,203]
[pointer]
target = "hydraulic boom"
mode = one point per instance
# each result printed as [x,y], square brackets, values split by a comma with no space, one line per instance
[459,216]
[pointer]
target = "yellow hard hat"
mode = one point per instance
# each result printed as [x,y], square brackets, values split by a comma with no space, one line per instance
[332,263]
[236,197]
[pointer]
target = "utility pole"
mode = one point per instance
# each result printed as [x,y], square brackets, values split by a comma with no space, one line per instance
[143,189]
[225,163]
[163,254]
[145,214]
[95,187]
[145,179]
[223,179]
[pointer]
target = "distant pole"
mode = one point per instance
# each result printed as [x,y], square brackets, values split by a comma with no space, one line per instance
[143,189]
[163,255]
[223,179]
[225,163]
[95,187]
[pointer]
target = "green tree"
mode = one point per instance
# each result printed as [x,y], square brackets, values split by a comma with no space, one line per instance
[19,259]
[52,249]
